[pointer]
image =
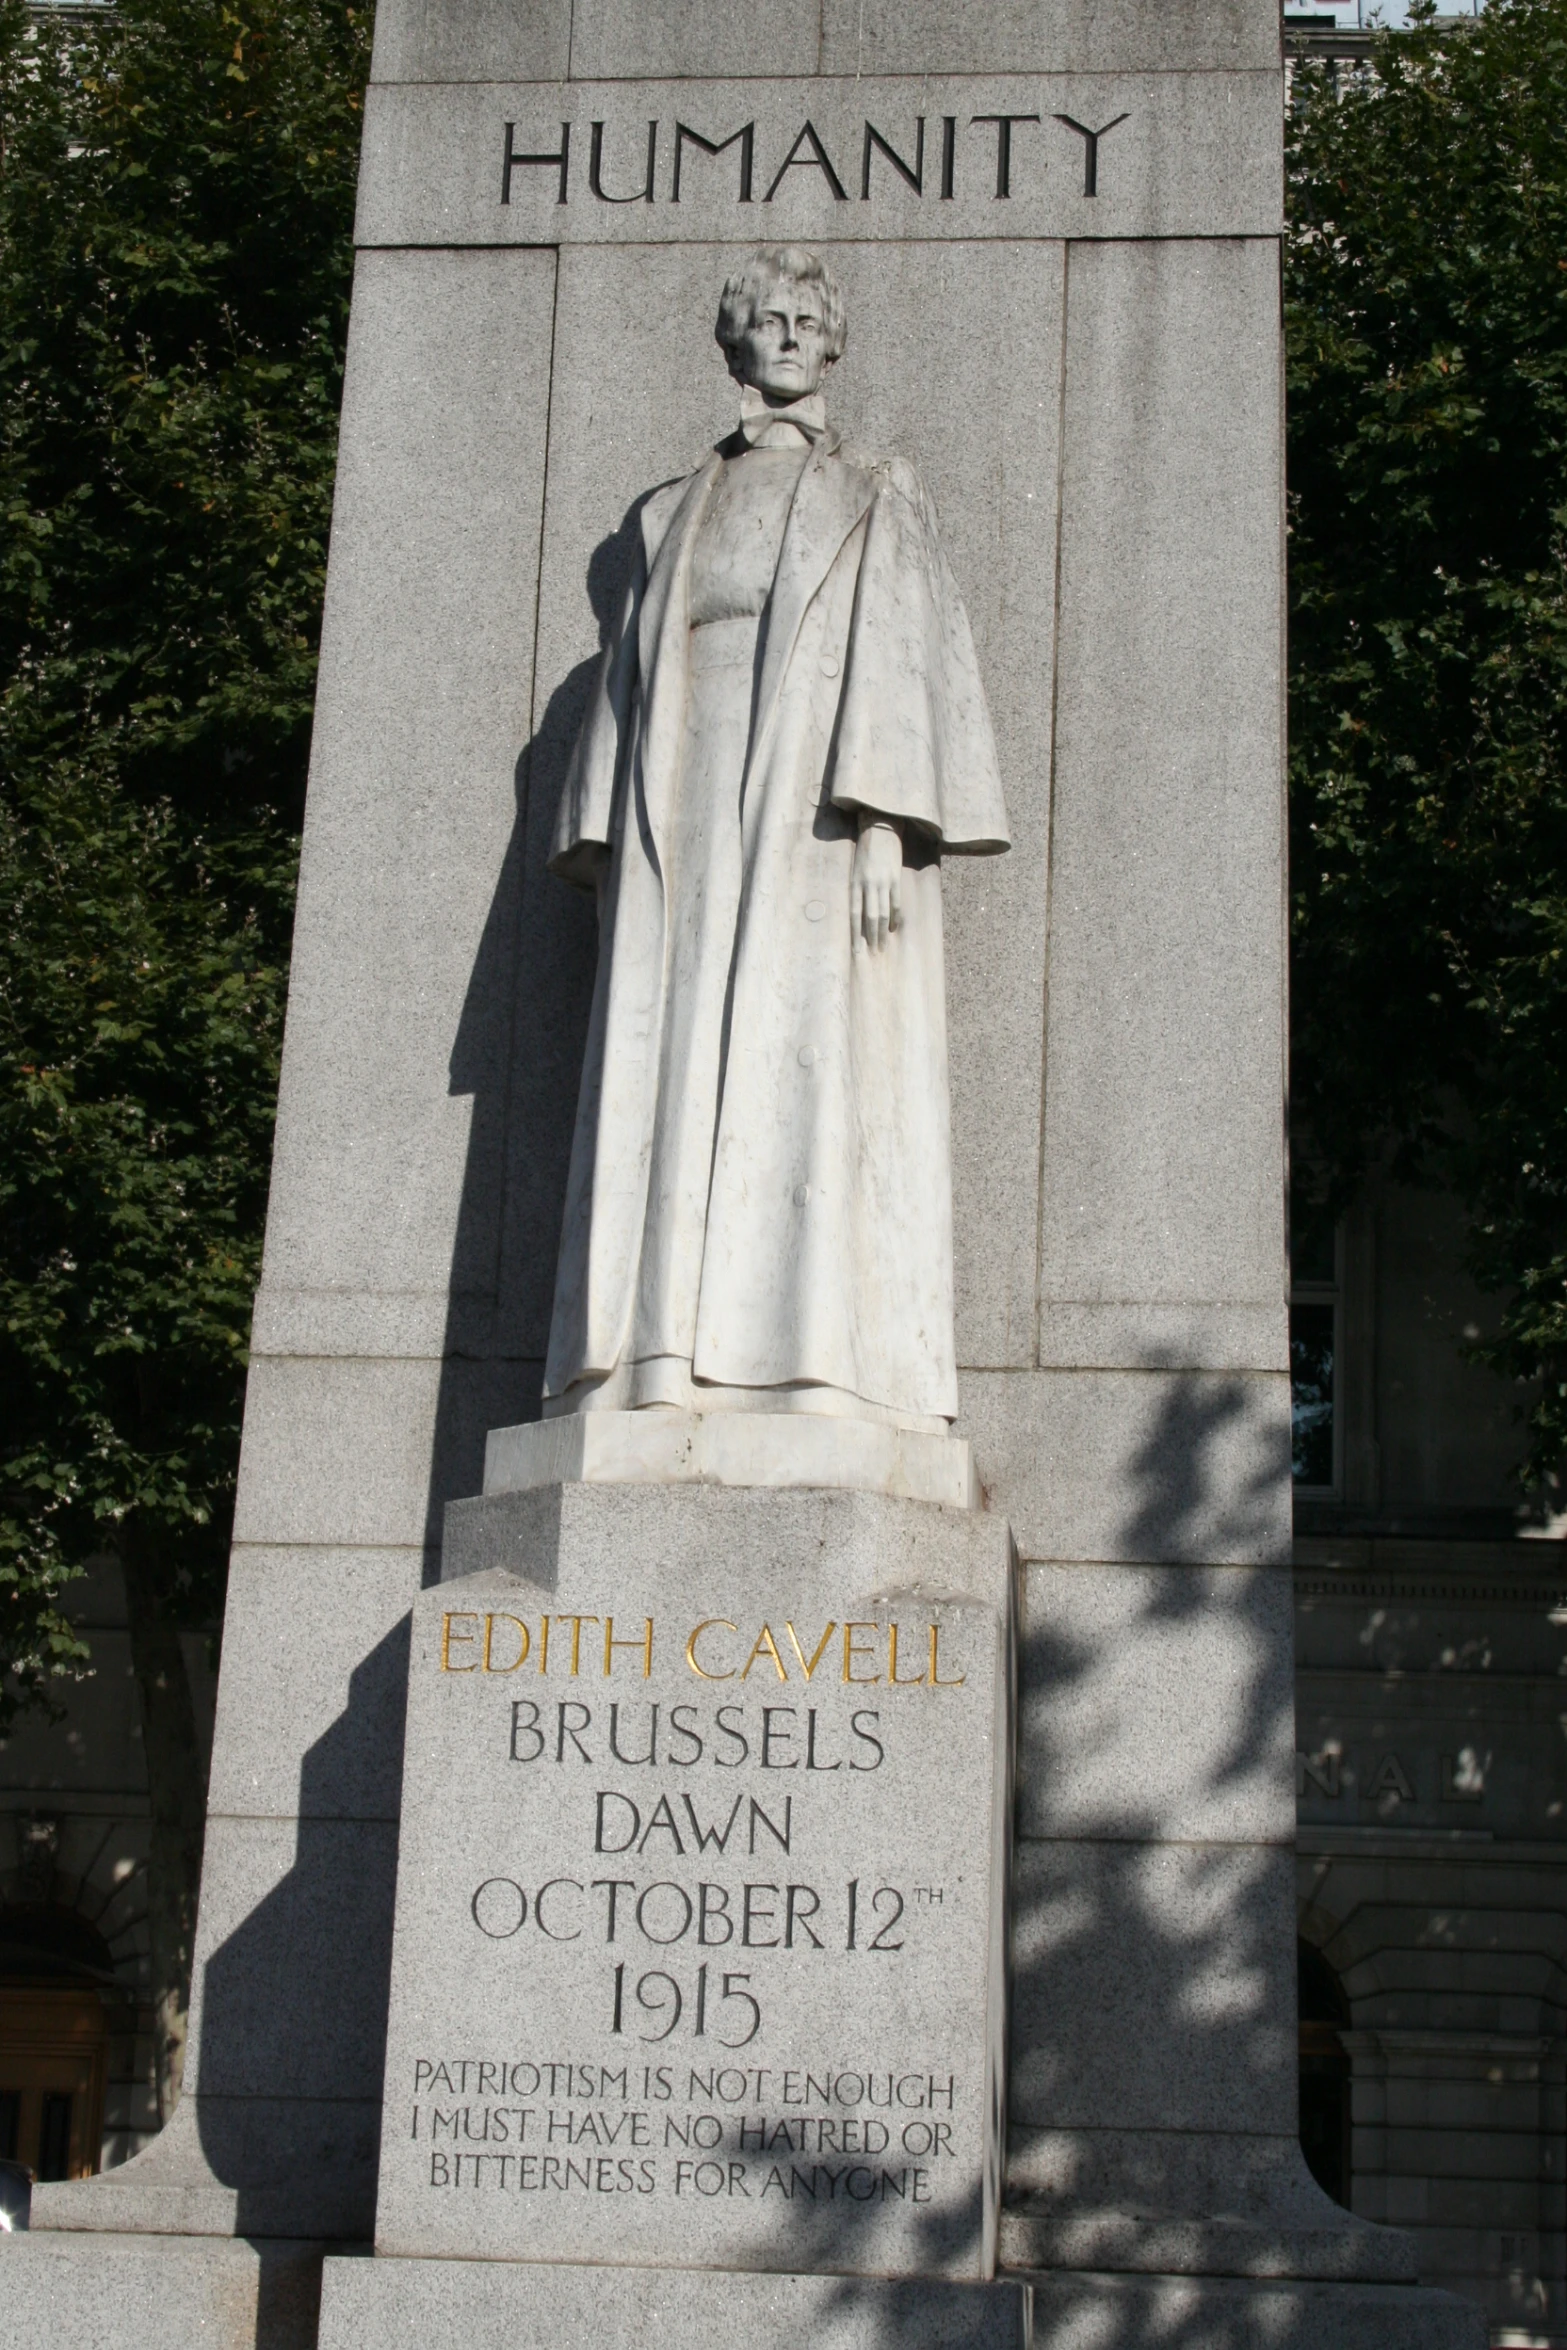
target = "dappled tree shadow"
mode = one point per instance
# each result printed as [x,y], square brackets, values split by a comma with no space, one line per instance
[1154,2065]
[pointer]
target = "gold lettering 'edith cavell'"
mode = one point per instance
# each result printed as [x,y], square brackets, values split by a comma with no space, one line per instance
[866,1655]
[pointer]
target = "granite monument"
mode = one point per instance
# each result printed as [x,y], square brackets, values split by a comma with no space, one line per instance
[1053,230]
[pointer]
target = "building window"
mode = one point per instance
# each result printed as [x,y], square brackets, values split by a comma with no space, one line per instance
[1324,2074]
[1315,1358]
[54,2031]
[52,2050]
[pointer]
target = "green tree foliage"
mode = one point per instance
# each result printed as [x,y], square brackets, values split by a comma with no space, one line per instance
[176,184]
[1426,295]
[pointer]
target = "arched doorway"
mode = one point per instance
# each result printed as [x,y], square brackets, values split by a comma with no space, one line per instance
[54,1972]
[1325,2118]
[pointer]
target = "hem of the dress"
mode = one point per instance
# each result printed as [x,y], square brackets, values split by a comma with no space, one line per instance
[667,1383]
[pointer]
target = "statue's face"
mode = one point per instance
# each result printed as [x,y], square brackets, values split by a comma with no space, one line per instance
[783,351]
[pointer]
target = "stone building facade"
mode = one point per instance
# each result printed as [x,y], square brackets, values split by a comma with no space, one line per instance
[78,2084]
[1431,1650]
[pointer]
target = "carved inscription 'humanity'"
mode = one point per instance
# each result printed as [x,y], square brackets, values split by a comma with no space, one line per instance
[1059,155]
[690,1963]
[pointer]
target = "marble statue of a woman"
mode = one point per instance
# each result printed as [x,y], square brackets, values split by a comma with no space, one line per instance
[787,734]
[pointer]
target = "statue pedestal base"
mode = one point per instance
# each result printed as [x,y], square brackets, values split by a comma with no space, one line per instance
[430,2304]
[700,1950]
[768,1449]
[491,2305]
[108,2292]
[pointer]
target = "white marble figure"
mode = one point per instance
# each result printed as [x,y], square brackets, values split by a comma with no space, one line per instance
[786,734]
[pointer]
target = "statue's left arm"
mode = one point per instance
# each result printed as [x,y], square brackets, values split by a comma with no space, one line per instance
[914,743]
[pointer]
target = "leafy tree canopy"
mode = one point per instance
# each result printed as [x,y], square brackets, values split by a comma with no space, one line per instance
[1426,309]
[176,183]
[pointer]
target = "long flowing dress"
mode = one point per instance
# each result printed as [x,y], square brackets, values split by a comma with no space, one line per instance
[758,1213]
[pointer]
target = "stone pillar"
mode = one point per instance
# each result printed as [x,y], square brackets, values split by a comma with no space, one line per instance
[1056,222]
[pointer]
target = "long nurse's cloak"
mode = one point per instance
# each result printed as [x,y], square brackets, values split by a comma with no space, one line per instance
[827,1258]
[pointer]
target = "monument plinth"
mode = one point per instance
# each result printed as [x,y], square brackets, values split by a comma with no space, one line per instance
[745,1449]
[700,1951]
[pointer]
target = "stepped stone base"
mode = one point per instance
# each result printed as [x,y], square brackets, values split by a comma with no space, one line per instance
[390,2304]
[428,2304]
[1077,2311]
[115,2292]
[112,2292]
[733,1448]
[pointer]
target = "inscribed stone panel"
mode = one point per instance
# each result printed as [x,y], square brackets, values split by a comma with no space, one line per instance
[693,1964]
[1110,155]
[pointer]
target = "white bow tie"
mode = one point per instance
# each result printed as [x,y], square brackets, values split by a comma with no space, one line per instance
[762,427]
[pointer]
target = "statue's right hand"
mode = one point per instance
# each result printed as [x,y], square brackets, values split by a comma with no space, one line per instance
[876,889]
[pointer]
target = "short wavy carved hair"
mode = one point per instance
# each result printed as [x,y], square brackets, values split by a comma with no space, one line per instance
[750,286]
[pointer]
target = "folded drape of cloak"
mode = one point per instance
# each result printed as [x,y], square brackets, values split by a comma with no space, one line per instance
[828,1254]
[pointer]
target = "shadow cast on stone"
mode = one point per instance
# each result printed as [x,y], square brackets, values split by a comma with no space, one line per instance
[830,2197]
[1180,1505]
[517,1056]
[294,2001]
[288,2300]
[1153,2098]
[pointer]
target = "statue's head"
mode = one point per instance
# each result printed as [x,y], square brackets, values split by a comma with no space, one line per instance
[780,322]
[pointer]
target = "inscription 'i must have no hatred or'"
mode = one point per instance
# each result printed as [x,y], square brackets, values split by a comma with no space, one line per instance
[1011,156]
